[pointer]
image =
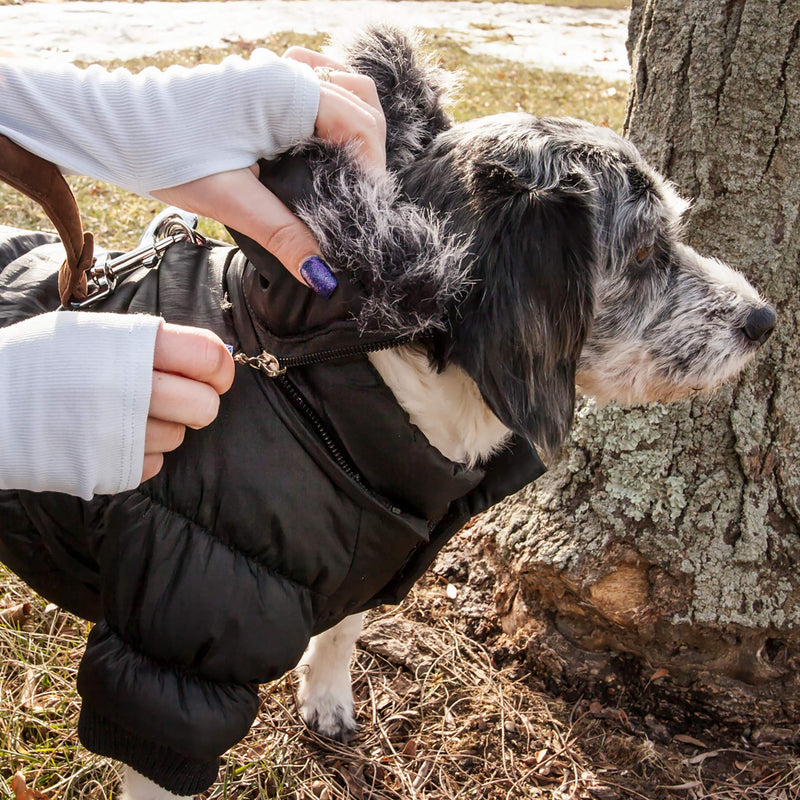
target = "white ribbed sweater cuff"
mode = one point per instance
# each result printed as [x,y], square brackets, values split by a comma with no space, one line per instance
[158,129]
[74,397]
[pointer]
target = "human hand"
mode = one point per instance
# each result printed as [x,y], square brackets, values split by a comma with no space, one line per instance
[191,369]
[349,110]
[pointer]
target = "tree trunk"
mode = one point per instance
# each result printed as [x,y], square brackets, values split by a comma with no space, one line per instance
[666,540]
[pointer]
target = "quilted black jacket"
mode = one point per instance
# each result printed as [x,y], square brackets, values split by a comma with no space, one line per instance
[310,498]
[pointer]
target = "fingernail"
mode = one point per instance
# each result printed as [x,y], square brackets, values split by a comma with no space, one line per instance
[317,274]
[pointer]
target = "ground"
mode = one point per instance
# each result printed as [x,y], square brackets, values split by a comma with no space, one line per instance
[447,708]
[447,703]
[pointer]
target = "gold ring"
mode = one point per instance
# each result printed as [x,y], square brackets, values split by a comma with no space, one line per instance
[323,74]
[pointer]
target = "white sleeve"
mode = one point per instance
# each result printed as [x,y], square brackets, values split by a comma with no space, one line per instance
[74,396]
[158,128]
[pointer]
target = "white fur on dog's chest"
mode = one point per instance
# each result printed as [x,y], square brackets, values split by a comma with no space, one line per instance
[446,406]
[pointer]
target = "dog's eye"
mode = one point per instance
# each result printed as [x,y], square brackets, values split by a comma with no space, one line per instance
[643,253]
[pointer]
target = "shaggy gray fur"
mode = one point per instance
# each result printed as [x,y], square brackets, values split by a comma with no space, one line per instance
[410,270]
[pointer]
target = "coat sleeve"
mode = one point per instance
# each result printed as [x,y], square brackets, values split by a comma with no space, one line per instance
[191,627]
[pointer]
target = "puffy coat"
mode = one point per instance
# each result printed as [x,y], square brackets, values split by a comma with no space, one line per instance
[310,498]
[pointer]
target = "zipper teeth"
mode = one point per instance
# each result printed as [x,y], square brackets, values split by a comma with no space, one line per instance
[297,399]
[342,352]
[293,393]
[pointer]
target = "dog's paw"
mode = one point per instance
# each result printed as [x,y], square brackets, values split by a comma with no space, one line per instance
[329,713]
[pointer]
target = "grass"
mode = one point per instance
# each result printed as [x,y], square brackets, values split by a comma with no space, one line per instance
[458,715]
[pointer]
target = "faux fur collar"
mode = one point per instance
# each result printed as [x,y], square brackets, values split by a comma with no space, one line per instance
[411,272]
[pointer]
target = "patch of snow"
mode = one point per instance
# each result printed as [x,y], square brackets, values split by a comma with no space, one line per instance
[573,40]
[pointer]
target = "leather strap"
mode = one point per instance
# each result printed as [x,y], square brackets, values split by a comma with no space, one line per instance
[42,181]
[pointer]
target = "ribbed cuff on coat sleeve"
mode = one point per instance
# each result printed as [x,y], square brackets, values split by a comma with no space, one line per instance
[74,397]
[172,771]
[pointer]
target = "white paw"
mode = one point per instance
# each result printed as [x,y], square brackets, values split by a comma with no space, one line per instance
[328,710]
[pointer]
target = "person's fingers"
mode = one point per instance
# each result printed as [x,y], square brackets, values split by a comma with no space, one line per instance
[183,400]
[194,353]
[363,104]
[312,58]
[343,117]
[238,199]
[152,465]
[161,436]
[361,86]
[347,101]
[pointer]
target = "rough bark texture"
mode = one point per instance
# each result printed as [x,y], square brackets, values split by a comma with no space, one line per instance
[668,538]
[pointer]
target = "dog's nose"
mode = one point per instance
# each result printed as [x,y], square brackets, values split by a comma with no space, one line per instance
[759,324]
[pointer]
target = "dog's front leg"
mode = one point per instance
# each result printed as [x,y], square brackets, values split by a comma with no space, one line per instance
[137,787]
[325,693]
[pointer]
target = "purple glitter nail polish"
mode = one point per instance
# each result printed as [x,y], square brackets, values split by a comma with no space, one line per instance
[317,274]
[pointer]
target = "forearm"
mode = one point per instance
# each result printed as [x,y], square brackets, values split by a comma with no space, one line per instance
[122,128]
[74,397]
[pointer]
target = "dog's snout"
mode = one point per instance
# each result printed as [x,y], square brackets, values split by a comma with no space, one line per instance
[759,324]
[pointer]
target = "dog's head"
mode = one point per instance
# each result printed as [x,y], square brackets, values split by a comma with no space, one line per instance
[580,274]
[545,251]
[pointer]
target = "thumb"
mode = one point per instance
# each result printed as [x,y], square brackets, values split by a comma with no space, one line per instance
[238,199]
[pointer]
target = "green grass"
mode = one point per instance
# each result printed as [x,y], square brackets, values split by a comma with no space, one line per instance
[38,702]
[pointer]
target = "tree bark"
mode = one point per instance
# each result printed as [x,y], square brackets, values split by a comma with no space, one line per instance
[666,540]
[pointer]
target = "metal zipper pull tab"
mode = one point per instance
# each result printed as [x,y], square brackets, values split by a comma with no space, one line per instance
[264,361]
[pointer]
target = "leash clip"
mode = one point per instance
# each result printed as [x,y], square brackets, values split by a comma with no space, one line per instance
[106,272]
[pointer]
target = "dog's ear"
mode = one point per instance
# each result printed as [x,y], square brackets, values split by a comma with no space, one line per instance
[410,86]
[525,323]
[520,331]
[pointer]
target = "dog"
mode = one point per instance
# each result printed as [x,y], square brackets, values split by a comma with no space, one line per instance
[582,281]
[569,274]
[579,280]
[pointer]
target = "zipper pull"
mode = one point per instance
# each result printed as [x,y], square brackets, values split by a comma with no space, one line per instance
[264,361]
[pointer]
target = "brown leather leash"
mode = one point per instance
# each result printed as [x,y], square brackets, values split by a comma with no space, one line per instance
[42,181]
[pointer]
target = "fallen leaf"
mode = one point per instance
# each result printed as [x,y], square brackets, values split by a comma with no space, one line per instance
[682,737]
[701,757]
[22,792]
[422,775]
[16,615]
[410,750]
[659,674]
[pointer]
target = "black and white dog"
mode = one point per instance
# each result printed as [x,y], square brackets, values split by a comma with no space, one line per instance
[568,245]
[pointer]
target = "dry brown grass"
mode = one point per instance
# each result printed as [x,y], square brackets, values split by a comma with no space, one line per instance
[447,711]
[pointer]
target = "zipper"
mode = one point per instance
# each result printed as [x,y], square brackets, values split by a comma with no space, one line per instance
[297,399]
[274,367]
